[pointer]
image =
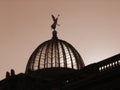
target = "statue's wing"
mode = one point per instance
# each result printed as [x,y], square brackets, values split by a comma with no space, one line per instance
[53,18]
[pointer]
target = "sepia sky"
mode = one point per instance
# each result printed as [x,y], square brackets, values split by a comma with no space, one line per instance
[91,26]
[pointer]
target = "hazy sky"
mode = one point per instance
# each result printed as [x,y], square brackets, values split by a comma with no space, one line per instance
[91,26]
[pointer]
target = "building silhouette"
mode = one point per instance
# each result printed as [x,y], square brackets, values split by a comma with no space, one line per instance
[56,65]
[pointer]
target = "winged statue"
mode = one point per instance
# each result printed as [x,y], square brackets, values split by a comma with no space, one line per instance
[53,26]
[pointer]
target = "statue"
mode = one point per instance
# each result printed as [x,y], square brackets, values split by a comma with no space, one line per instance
[53,26]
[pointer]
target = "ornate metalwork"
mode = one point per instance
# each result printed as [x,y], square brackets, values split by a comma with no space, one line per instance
[54,53]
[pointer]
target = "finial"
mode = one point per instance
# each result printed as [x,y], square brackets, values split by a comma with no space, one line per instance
[54,34]
[7,74]
[53,26]
[12,72]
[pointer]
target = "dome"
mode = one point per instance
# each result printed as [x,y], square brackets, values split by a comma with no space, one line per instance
[54,53]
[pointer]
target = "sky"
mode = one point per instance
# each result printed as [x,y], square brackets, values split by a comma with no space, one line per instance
[91,26]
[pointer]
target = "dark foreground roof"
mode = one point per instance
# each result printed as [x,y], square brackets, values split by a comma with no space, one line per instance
[104,75]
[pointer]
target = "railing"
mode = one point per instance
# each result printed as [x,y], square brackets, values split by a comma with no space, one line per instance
[109,64]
